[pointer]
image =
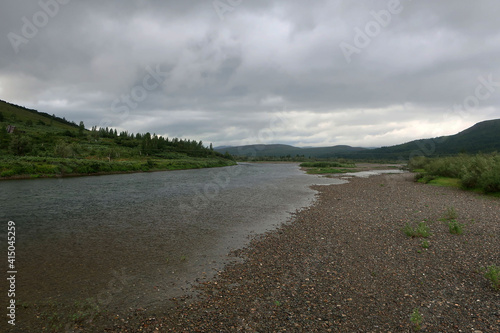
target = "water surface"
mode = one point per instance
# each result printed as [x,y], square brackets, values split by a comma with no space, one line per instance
[133,241]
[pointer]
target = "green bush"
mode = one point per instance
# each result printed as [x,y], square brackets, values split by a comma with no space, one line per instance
[46,169]
[417,319]
[451,214]
[7,173]
[422,230]
[455,227]
[418,162]
[481,171]
[492,273]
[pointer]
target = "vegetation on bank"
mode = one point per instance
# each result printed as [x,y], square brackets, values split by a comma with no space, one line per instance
[492,273]
[35,167]
[324,167]
[475,172]
[34,144]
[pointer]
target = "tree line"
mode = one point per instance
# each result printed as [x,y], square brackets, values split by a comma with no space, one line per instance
[99,141]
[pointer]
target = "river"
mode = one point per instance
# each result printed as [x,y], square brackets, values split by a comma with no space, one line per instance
[136,240]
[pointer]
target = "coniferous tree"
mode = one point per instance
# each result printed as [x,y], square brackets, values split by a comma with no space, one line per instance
[81,128]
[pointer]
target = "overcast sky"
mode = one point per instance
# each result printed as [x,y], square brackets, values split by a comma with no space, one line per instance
[232,72]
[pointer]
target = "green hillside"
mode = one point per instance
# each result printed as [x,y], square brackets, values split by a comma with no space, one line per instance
[31,120]
[38,144]
[482,137]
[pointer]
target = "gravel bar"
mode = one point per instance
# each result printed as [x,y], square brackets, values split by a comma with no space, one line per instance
[344,264]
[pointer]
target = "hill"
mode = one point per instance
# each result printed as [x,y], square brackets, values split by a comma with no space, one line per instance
[30,120]
[37,144]
[482,137]
[279,150]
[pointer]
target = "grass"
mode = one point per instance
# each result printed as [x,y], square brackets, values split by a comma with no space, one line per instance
[36,167]
[326,167]
[425,245]
[326,170]
[422,230]
[455,227]
[451,214]
[445,181]
[417,319]
[492,273]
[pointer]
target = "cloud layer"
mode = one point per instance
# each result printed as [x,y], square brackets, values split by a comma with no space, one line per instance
[239,72]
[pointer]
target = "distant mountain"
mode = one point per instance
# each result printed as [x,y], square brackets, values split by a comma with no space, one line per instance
[482,137]
[278,150]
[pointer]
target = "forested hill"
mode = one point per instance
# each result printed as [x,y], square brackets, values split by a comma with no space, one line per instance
[482,137]
[33,143]
[40,134]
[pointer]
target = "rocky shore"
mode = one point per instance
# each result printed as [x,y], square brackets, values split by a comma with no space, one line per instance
[345,265]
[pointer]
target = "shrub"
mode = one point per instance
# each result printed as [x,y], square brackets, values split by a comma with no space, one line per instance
[455,227]
[422,230]
[46,169]
[492,273]
[418,162]
[7,173]
[417,319]
[450,214]
[481,171]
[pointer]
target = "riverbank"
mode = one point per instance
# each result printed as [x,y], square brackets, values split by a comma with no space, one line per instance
[345,265]
[48,167]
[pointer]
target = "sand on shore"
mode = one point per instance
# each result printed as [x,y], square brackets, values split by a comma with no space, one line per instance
[345,265]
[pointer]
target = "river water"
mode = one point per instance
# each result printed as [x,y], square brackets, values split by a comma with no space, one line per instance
[134,241]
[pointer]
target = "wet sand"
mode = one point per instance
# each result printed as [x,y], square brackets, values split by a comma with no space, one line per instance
[345,265]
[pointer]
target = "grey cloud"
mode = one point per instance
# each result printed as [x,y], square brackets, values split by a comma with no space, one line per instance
[263,58]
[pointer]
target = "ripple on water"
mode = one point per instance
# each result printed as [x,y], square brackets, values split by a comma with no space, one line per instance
[134,240]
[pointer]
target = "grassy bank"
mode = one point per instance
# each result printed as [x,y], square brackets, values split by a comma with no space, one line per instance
[36,167]
[479,172]
[327,167]
[35,144]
